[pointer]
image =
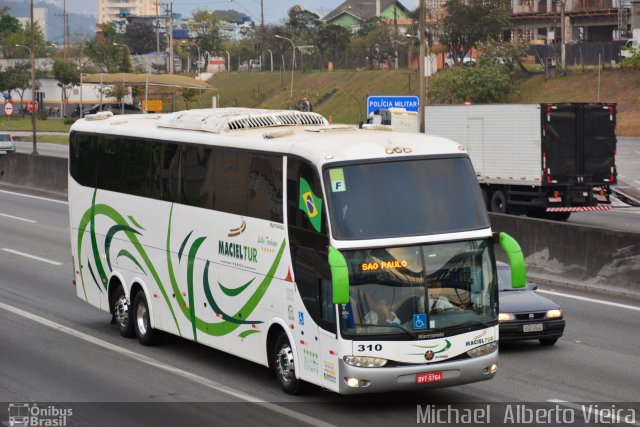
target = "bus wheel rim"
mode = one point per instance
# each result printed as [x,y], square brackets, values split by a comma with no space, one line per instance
[122,311]
[285,364]
[141,318]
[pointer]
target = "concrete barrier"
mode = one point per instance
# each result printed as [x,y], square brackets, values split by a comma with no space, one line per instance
[34,173]
[578,256]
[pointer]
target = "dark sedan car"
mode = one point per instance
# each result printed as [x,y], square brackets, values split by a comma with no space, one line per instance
[525,314]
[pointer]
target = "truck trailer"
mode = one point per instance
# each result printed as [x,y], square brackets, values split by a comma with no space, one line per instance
[542,160]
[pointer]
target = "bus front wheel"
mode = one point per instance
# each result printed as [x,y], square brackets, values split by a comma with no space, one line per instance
[283,362]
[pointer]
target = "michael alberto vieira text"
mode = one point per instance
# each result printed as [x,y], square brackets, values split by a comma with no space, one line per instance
[521,414]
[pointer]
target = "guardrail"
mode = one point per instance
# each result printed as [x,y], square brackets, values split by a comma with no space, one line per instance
[565,254]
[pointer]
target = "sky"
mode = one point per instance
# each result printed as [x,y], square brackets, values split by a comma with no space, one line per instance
[275,11]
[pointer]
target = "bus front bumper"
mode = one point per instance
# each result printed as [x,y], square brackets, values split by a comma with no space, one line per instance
[444,374]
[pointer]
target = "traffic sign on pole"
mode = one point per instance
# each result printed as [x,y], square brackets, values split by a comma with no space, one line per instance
[410,103]
[31,106]
[8,108]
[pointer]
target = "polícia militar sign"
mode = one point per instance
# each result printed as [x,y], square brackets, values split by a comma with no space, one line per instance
[375,102]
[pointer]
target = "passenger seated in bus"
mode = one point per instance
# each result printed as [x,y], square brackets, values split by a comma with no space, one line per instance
[381,315]
[438,303]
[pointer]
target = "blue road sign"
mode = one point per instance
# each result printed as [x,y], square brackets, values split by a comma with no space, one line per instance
[375,102]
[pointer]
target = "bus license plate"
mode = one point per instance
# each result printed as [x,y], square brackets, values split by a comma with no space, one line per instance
[428,377]
[534,327]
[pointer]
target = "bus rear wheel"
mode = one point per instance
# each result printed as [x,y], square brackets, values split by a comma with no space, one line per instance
[122,313]
[142,323]
[283,362]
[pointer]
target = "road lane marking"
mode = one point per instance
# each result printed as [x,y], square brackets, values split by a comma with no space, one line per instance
[37,258]
[35,197]
[597,301]
[229,391]
[17,217]
[595,413]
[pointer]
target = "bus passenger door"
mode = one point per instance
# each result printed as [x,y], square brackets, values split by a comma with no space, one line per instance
[314,313]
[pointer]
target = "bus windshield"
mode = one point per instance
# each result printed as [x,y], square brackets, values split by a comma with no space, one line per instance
[420,289]
[404,198]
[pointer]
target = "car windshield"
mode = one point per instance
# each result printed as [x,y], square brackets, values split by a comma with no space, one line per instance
[418,290]
[5,137]
[404,198]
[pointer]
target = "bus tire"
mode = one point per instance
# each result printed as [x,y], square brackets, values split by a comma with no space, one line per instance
[142,321]
[283,361]
[498,202]
[122,313]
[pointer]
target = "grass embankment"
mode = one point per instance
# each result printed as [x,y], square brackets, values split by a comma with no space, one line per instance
[342,95]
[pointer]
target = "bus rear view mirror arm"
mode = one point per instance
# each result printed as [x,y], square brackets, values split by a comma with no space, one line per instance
[339,276]
[516,258]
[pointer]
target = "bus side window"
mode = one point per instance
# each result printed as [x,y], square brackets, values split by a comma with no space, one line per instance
[109,168]
[83,159]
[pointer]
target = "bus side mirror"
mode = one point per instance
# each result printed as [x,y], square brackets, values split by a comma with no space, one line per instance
[516,259]
[339,276]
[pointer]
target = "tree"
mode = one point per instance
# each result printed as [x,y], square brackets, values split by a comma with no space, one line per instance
[8,25]
[106,56]
[190,96]
[482,84]
[16,79]
[206,27]
[68,76]
[471,22]
[141,38]
[332,40]
[22,36]
[507,54]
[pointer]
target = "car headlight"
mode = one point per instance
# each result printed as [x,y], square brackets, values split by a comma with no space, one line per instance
[505,317]
[483,350]
[365,361]
[556,313]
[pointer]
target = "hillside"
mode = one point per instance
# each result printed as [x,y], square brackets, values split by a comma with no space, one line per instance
[342,94]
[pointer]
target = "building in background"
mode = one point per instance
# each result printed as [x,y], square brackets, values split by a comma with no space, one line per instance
[115,10]
[352,13]
[39,18]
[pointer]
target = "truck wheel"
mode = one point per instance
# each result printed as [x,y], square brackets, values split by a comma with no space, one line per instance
[558,216]
[498,202]
[122,312]
[283,362]
[142,323]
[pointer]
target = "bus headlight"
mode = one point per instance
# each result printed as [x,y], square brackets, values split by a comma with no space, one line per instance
[483,350]
[556,313]
[365,361]
[505,317]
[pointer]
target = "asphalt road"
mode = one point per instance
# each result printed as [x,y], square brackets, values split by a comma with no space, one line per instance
[55,348]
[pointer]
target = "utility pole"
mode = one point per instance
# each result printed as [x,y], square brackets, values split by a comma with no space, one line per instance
[562,30]
[421,68]
[33,82]
[171,38]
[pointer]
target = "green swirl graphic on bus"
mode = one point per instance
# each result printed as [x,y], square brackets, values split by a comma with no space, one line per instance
[133,232]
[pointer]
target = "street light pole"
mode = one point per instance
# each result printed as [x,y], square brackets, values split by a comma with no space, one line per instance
[33,86]
[293,55]
[228,61]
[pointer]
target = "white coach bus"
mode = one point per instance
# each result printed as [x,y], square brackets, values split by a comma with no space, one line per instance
[357,260]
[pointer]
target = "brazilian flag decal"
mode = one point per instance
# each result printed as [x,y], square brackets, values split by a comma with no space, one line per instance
[310,204]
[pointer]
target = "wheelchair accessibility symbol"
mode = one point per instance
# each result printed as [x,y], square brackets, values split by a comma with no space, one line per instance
[419,321]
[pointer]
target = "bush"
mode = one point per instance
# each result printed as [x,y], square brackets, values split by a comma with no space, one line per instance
[69,121]
[482,84]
